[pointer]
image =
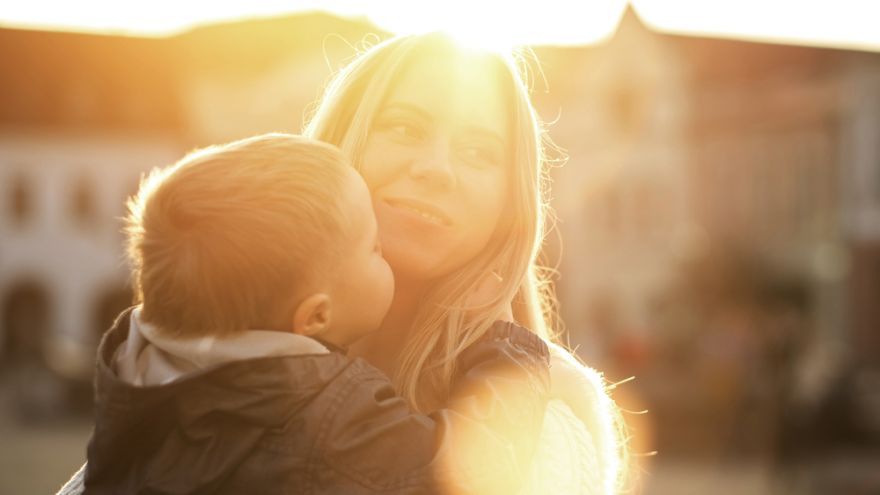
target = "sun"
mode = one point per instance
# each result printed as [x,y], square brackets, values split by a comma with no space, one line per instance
[484,24]
[499,26]
[477,23]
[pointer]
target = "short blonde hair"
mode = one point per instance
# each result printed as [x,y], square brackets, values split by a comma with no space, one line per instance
[222,240]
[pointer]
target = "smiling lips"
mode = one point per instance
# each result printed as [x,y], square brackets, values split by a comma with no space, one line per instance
[425,210]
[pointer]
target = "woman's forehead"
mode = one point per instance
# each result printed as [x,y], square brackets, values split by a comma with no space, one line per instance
[460,91]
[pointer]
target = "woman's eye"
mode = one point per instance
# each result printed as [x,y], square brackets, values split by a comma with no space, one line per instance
[406,130]
[480,155]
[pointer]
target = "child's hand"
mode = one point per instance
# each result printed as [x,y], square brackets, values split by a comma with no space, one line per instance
[487,290]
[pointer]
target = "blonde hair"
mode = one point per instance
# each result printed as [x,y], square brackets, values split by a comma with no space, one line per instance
[444,326]
[221,241]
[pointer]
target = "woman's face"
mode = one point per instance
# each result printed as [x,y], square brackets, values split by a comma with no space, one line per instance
[437,164]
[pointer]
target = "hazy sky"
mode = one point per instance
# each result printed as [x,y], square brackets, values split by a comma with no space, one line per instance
[838,23]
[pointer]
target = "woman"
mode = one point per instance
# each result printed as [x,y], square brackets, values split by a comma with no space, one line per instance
[453,153]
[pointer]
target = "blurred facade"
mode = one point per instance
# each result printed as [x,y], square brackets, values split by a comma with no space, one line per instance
[719,213]
[721,204]
[78,123]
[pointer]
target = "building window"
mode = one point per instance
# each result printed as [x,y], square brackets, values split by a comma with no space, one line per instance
[82,204]
[627,108]
[21,201]
[24,322]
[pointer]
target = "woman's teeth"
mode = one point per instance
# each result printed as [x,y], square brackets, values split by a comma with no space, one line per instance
[424,214]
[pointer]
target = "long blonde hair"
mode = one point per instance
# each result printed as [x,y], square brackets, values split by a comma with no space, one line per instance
[443,325]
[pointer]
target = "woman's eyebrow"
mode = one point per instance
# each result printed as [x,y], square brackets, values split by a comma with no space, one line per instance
[484,133]
[408,107]
[471,130]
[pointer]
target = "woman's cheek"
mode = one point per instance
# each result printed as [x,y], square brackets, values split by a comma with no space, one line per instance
[382,162]
[488,192]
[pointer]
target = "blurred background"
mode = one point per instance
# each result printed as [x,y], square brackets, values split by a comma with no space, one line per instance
[718,233]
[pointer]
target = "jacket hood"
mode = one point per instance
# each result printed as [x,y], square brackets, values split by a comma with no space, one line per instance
[150,429]
[149,357]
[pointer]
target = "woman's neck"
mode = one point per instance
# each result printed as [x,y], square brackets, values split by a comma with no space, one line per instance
[382,347]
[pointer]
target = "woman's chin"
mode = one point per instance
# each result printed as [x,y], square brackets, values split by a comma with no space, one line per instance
[411,267]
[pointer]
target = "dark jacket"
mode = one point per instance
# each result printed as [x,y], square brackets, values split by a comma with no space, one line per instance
[319,424]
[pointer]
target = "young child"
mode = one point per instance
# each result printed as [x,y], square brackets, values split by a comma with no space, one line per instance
[255,263]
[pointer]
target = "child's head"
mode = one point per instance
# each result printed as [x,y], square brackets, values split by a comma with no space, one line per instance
[271,232]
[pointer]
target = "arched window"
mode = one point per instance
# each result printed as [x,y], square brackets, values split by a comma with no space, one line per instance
[25,322]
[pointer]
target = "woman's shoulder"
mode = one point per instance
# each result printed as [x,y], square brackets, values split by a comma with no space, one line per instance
[566,458]
[583,421]
[582,387]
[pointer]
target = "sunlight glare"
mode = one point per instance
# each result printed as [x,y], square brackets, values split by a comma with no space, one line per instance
[500,26]
[842,23]
[480,24]
[486,24]
[156,18]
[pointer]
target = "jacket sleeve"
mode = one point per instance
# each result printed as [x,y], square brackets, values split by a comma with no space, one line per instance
[74,485]
[503,386]
[480,443]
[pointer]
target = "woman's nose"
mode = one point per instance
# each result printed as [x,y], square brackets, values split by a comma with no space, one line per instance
[434,167]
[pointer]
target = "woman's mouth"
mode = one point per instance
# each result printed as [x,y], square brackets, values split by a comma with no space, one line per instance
[423,210]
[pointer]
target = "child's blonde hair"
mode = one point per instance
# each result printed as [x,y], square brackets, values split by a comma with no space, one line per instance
[223,240]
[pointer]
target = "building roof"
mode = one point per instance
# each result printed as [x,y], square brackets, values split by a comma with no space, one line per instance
[91,81]
[72,80]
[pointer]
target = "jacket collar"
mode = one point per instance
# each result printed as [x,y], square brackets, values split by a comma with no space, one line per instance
[149,357]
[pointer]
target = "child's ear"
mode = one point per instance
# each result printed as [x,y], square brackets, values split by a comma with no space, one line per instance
[312,316]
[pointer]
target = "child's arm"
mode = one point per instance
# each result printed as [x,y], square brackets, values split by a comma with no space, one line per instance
[481,443]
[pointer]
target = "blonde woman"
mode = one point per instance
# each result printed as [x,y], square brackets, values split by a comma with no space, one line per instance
[453,153]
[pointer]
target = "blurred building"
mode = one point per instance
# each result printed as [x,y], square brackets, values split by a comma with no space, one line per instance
[719,222]
[81,116]
[621,114]
[676,142]
[720,207]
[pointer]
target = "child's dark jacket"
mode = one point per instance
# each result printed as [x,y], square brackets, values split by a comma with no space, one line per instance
[319,424]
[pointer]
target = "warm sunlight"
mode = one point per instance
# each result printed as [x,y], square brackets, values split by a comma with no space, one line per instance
[488,25]
[844,23]
[156,18]
[479,24]
[840,24]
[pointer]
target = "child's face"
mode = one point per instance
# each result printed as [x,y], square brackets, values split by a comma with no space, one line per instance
[364,286]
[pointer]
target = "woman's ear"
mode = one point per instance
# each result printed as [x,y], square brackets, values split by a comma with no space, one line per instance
[312,316]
